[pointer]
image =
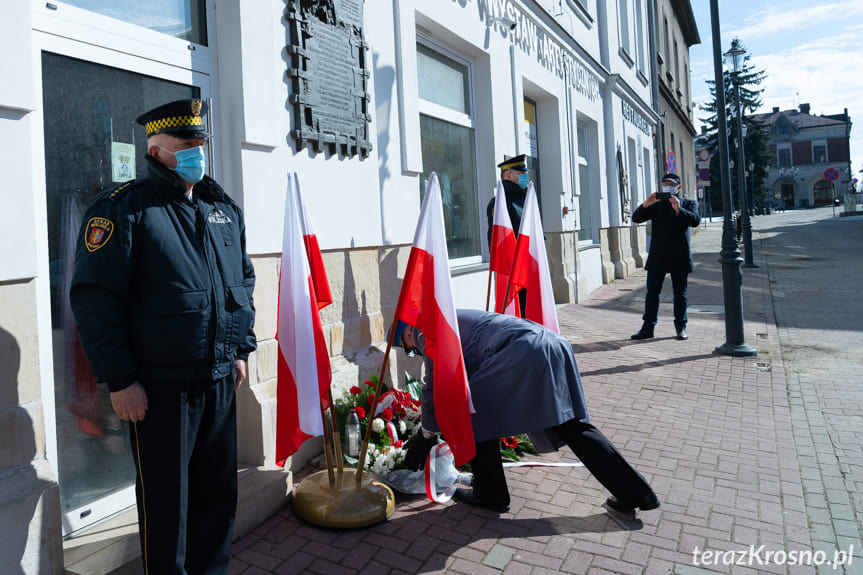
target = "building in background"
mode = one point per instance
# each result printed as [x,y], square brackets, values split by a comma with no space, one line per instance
[676,33]
[364,100]
[811,157]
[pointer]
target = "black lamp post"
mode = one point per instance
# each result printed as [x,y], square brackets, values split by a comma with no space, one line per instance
[729,257]
[736,54]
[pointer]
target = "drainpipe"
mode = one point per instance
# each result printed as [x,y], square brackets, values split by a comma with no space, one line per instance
[659,141]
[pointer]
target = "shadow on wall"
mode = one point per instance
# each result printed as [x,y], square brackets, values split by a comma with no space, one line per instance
[28,544]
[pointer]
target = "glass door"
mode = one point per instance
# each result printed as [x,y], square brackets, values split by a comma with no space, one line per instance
[100,69]
[91,143]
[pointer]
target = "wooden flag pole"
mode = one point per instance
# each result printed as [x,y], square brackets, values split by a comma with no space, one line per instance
[337,440]
[362,461]
[327,439]
[488,292]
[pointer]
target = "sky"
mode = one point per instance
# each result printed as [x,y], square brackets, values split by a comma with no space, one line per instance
[811,52]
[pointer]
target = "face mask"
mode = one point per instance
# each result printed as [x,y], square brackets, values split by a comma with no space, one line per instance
[523,180]
[670,189]
[191,163]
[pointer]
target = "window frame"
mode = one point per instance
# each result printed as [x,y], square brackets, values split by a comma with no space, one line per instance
[469,121]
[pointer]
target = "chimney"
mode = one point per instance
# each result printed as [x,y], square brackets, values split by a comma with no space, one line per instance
[775,109]
[804,108]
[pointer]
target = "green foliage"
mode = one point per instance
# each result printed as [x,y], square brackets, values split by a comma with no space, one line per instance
[755,143]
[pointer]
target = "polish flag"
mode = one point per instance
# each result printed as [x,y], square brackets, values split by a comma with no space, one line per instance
[426,302]
[502,253]
[303,362]
[530,267]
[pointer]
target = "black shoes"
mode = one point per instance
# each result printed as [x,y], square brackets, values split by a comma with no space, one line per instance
[467,496]
[644,333]
[650,502]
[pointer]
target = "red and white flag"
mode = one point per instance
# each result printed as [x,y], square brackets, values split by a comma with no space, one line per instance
[502,253]
[304,364]
[530,267]
[426,302]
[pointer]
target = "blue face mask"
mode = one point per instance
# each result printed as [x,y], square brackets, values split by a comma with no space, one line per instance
[523,180]
[191,163]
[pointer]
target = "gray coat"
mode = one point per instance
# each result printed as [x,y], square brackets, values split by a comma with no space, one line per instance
[523,377]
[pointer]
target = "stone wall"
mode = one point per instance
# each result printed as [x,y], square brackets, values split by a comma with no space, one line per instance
[29,496]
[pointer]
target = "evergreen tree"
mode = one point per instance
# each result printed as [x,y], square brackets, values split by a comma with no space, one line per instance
[755,145]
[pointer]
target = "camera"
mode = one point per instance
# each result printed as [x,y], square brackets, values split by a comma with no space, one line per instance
[663,196]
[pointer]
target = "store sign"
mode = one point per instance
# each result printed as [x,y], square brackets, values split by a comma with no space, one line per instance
[328,75]
[532,40]
[634,117]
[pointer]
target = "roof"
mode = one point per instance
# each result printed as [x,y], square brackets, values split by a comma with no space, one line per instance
[798,118]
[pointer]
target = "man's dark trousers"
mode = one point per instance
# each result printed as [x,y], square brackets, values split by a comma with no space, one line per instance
[185,454]
[655,279]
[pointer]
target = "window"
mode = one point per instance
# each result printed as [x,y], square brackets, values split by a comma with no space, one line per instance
[819,154]
[184,19]
[623,5]
[784,157]
[639,35]
[585,231]
[447,136]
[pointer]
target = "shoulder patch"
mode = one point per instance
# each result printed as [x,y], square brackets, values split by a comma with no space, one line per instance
[97,234]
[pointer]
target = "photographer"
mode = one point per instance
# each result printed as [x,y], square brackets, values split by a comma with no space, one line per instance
[672,216]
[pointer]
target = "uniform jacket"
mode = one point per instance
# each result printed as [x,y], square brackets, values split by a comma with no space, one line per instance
[162,290]
[669,236]
[515,197]
[522,376]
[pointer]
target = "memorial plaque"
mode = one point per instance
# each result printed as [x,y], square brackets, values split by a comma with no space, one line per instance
[328,75]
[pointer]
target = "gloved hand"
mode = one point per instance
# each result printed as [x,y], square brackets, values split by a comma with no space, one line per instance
[418,448]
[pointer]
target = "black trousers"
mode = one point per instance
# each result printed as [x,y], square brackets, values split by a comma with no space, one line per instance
[679,281]
[185,454]
[598,454]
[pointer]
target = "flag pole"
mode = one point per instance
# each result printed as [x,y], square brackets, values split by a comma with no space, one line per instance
[327,438]
[362,461]
[337,440]
[488,292]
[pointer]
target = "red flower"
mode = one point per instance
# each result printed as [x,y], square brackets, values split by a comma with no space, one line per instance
[398,443]
[387,414]
[361,413]
[371,399]
[355,390]
[510,441]
[368,383]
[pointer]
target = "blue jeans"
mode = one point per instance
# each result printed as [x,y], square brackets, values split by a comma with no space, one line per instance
[654,288]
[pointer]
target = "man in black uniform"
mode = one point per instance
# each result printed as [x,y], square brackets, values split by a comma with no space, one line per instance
[162,296]
[513,176]
[672,216]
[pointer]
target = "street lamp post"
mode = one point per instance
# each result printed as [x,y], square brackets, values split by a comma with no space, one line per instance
[736,54]
[729,257]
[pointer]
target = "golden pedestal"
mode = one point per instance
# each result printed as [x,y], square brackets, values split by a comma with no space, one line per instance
[345,504]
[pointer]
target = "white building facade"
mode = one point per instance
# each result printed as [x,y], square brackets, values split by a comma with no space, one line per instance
[451,86]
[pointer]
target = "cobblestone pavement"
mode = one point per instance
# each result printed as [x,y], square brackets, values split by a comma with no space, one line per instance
[757,461]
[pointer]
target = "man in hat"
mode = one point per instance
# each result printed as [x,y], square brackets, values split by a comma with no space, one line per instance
[162,297]
[671,215]
[514,177]
[523,379]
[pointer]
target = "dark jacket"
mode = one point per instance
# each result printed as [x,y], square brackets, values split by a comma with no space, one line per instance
[522,376]
[167,297]
[515,197]
[669,236]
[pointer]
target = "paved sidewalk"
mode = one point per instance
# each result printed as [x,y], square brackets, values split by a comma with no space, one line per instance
[713,434]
